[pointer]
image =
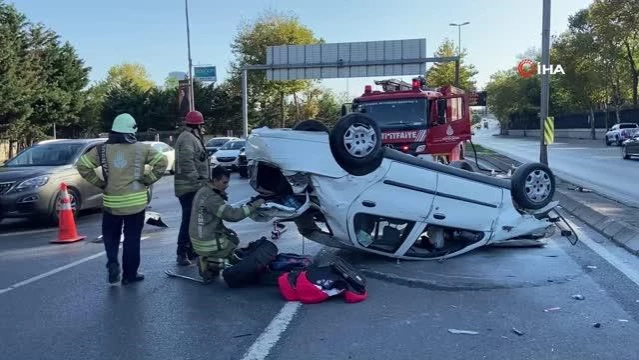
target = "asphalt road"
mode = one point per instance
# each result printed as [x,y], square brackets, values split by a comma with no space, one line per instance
[55,304]
[586,162]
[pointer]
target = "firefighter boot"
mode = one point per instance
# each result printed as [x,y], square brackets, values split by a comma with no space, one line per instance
[206,271]
[183,260]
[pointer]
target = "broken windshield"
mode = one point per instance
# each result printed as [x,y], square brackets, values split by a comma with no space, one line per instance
[393,113]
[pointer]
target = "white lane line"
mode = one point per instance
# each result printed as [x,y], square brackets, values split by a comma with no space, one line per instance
[273,332]
[27,232]
[605,254]
[56,270]
[49,273]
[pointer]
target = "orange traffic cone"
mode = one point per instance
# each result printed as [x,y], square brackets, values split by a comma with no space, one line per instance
[67,232]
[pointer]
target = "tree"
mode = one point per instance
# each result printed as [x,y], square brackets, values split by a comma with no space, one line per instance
[132,73]
[443,73]
[249,47]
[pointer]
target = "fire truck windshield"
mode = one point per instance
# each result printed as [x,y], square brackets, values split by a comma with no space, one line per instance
[407,113]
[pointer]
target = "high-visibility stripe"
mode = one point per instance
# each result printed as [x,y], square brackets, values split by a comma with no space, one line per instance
[152,176]
[124,201]
[220,210]
[204,246]
[88,161]
[155,159]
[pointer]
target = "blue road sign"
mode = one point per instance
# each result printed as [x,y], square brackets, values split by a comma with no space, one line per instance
[205,73]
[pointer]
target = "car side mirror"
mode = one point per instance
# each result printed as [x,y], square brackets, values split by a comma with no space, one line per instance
[242,149]
[441,111]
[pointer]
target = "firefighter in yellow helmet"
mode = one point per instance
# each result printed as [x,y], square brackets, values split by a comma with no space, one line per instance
[211,240]
[125,184]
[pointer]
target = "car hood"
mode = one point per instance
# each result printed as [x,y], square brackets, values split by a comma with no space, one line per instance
[294,151]
[8,173]
[227,153]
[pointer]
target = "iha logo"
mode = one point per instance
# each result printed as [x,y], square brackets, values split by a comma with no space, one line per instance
[527,68]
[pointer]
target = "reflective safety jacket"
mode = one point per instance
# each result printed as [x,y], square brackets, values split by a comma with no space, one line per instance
[208,234]
[127,181]
[191,163]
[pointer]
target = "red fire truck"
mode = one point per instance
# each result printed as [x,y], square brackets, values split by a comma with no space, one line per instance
[426,122]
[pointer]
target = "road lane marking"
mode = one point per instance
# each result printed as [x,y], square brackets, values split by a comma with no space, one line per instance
[56,270]
[605,254]
[49,273]
[273,332]
[27,232]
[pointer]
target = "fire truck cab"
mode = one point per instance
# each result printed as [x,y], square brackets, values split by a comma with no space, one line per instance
[431,123]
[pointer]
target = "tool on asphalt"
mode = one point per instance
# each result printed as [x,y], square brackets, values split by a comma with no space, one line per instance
[67,231]
[172,274]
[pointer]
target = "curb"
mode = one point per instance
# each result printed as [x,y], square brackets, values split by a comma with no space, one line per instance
[619,231]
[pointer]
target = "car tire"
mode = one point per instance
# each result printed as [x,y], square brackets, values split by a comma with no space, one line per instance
[533,186]
[358,162]
[462,164]
[606,139]
[53,211]
[311,125]
[624,152]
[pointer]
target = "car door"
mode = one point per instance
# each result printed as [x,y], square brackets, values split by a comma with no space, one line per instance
[462,203]
[392,210]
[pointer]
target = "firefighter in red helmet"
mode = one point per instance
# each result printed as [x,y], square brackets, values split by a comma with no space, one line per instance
[191,173]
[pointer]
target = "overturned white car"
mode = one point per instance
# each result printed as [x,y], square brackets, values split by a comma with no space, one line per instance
[343,189]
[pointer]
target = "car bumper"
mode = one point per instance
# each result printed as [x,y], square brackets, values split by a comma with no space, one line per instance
[227,164]
[24,204]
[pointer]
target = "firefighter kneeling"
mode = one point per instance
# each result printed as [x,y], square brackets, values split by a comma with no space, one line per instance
[213,242]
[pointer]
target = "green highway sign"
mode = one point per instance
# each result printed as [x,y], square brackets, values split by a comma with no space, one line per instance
[205,73]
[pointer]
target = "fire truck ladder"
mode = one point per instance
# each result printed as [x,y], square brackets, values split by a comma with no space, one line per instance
[394,85]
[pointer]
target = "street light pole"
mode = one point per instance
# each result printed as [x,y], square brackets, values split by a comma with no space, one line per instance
[545,83]
[459,26]
[188,42]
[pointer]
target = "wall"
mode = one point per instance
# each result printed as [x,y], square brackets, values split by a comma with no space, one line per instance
[562,133]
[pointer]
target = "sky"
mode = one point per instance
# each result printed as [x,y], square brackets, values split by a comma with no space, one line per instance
[153,32]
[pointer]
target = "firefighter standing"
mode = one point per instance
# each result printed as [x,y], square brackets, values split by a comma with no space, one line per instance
[211,240]
[125,198]
[191,173]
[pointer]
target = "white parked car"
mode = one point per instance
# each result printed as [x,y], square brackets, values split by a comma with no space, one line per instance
[227,155]
[168,151]
[382,201]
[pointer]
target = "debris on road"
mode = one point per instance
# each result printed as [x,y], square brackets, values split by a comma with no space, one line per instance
[578,297]
[596,325]
[623,320]
[552,309]
[580,189]
[591,267]
[466,332]
[518,332]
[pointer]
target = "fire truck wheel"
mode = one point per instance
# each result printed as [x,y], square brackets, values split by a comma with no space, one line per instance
[356,144]
[311,125]
[533,186]
[462,164]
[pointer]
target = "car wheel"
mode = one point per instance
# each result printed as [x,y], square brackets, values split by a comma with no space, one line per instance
[356,144]
[533,186]
[624,152]
[75,205]
[606,139]
[311,125]
[462,164]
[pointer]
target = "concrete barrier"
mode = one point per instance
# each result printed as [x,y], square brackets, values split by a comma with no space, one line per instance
[562,133]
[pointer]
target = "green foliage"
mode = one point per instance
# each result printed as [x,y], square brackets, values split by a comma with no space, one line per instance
[599,53]
[441,74]
[42,79]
